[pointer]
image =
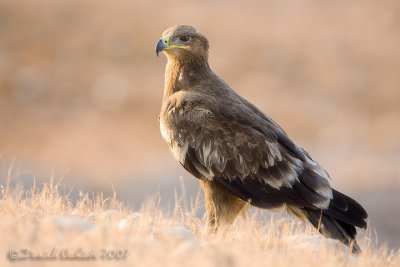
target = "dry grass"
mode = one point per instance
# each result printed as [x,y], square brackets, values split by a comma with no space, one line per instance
[43,218]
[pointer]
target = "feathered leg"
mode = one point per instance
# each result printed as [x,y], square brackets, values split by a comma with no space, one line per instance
[222,207]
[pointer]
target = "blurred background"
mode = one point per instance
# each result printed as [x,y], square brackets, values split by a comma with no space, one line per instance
[81,89]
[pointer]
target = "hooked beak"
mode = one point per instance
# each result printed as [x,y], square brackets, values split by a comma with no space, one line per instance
[164,44]
[161,45]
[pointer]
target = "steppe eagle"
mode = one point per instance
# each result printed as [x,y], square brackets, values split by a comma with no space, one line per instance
[238,153]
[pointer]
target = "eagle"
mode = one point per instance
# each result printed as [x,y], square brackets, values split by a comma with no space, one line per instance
[241,156]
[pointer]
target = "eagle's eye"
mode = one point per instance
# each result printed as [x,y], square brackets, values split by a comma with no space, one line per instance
[184,38]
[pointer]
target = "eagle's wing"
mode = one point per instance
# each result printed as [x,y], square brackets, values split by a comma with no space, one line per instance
[253,164]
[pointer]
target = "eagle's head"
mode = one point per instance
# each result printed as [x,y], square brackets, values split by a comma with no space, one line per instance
[183,42]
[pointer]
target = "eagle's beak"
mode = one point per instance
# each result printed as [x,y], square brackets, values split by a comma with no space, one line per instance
[164,44]
[161,45]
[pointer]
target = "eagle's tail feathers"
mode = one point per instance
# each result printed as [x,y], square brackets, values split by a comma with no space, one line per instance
[333,228]
[338,221]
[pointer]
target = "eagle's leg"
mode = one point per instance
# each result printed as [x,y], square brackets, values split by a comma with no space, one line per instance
[222,207]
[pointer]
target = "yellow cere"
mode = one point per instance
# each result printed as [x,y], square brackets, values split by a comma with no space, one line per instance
[169,47]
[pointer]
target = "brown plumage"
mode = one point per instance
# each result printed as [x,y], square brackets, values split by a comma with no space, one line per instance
[239,154]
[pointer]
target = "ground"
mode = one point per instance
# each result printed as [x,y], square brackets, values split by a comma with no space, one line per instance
[43,226]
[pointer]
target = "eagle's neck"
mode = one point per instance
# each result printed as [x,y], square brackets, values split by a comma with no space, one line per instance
[184,74]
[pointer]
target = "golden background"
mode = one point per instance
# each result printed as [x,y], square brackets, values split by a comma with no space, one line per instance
[81,89]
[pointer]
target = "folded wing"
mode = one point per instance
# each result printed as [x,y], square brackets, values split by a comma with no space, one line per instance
[256,167]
